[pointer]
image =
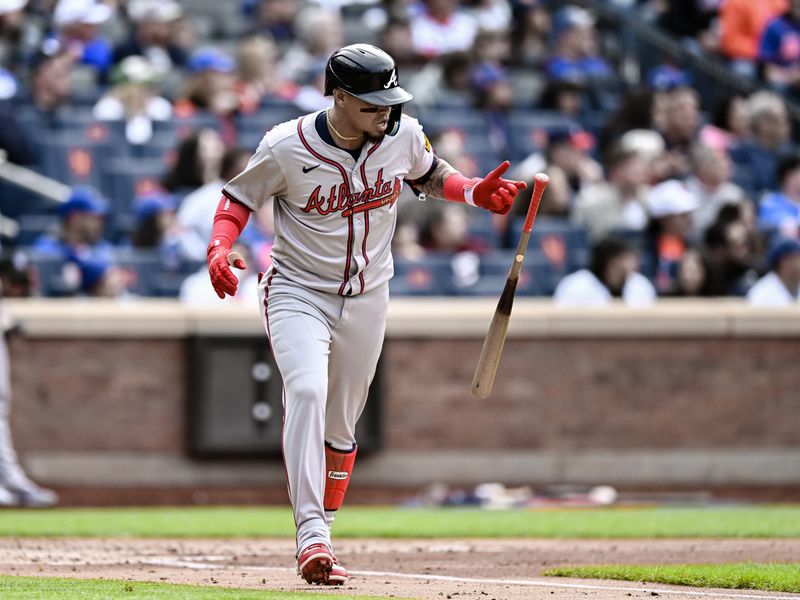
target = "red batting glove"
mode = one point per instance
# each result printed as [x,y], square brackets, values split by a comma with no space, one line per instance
[493,192]
[220,258]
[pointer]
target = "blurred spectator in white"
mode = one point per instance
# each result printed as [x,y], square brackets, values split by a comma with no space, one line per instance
[260,78]
[729,124]
[492,15]
[781,286]
[742,25]
[76,23]
[669,232]
[134,99]
[16,488]
[570,167]
[531,33]
[780,210]
[210,85]
[275,18]
[196,289]
[770,133]
[442,27]
[620,202]
[711,186]
[575,56]
[196,211]
[650,147]
[198,162]
[612,273]
[153,35]
[318,34]
[779,50]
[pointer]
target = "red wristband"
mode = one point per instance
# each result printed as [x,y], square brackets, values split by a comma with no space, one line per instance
[458,188]
[229,221]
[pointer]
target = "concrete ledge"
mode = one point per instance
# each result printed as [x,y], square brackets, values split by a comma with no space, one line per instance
[414,318]
[642,467]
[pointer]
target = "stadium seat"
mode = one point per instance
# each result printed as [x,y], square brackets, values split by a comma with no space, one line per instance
[76,158]
[538,277]
[482,229]
[431,276]
[49,272]
[564,245]
[125,179]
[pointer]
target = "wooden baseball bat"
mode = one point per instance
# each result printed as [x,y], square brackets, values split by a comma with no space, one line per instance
[486,369]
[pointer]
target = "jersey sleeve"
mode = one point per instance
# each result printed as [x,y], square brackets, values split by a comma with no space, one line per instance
[421,153]
[261,179]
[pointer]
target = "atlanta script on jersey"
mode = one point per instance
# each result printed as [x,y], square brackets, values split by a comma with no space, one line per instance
[334,215]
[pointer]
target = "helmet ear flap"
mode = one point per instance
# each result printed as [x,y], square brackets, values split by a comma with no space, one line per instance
[394,117]
[329,80]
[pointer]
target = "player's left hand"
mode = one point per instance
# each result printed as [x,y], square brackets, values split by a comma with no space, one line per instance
[220,261]
[495,193]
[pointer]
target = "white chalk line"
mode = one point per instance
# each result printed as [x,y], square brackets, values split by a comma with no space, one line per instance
[547,583]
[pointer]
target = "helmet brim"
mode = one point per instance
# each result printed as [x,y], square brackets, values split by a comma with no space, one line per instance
[390,97]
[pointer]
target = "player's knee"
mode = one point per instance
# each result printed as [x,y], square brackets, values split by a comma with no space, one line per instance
[307,392]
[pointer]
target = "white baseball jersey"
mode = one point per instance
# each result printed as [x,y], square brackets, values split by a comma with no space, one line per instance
[334,214]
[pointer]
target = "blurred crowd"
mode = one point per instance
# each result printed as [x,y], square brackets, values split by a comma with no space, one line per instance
[146,107]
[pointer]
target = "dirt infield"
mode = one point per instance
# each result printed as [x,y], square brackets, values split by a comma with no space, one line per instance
[424,569]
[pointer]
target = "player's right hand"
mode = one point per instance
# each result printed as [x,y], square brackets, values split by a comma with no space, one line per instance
[220,259]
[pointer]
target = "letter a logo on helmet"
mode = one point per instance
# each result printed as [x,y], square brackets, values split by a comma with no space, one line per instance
[392,80]
[368,73]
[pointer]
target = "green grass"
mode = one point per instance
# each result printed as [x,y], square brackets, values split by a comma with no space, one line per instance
[740,522]
[47,588]
[773,577]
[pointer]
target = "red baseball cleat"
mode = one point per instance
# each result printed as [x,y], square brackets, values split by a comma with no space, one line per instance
[317,564]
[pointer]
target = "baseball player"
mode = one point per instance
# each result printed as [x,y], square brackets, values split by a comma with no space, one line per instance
[335,176]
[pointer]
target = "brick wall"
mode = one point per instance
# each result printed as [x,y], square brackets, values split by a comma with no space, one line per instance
[550,394]
[98,394]
[598,393]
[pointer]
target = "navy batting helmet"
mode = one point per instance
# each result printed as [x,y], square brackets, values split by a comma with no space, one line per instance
[368,73]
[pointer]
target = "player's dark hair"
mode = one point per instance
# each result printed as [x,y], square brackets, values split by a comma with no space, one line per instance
[604,252]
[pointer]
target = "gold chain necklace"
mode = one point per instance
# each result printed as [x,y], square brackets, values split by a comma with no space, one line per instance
[343,137]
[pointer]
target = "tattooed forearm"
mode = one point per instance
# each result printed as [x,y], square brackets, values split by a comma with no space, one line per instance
[433,187]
